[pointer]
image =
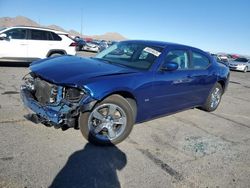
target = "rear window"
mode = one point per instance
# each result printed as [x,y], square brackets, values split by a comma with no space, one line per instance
[43,35]
[243,60]
[199,61]
[56,37]
[39,35]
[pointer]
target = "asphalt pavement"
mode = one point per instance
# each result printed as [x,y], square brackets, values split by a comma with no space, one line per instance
[188,149]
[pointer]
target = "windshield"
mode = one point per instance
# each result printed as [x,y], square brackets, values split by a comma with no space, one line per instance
[243,60]
[2,28]
[133,55]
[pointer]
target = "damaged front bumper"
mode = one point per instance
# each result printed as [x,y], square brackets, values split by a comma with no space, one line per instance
[58,115]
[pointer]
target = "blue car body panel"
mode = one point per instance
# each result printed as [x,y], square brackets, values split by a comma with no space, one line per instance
[156,92]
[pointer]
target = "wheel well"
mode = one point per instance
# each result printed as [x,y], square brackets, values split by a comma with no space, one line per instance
[129,97]
[222,83]
[56,52]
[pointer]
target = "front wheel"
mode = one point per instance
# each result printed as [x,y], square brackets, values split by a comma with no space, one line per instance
[214,98]
[245,69]
[110,122]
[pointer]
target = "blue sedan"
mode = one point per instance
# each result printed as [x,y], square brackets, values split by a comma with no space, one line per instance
[129,82]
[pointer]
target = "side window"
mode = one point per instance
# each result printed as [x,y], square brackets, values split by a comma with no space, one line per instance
[56,37]
[40,35]
[37,35]
[16,33]
[180,57]
[199,61]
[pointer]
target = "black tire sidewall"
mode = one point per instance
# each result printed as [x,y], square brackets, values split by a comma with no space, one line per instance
[55,55]
[207,105]
[113,99]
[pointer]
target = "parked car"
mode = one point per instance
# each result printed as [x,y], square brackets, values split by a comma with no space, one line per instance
[103,45]
[80,43]
[223,58]
[106,95]
[216,58]
[27,44]
[92,47]
[240,64]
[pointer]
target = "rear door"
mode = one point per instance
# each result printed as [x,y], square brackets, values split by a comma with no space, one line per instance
[40,43]
[173,90]
[15,46]
[203,74]
[183,88]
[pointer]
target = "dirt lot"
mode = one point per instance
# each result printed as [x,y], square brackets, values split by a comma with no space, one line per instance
[188,149]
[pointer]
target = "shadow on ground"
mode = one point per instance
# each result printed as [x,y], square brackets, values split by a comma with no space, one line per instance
[14,64]
[92,166]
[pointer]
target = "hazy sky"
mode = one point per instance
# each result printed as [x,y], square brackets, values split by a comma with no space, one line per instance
[212,25]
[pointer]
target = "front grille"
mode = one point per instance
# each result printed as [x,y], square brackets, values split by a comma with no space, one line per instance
[43,91]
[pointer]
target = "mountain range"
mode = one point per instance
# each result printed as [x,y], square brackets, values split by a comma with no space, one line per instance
[24,21]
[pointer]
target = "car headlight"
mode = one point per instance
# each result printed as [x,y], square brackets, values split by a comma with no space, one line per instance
[73,94]
[28,82]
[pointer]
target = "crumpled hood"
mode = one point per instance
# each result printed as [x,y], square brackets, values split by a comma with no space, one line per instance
[75,71]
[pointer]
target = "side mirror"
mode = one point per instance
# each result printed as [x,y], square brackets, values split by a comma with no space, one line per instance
[169,66]
[3,36]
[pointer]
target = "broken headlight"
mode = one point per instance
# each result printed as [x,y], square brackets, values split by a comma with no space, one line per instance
[28,82]
[73,94]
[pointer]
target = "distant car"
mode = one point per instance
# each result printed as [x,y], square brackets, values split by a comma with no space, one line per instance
[240,64]
[106,95]
[216,58]
[103,45]
[27,44]
[91,47]
[80,43]
[223,58]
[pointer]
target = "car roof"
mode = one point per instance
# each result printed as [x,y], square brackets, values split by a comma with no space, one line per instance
[162,44]
[39,28]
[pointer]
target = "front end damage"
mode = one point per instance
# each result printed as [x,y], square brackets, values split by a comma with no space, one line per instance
[54,105]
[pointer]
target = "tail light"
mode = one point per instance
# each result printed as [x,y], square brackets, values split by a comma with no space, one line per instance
[74,44]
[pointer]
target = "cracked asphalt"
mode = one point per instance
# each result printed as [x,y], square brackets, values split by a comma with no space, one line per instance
[188,149]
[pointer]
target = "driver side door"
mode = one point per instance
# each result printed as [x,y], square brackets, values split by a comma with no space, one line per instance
[15,45]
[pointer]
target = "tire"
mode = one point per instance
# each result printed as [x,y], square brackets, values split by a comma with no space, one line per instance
[55,55]
[78,48]
[109,123]
[213,99]
[245,69]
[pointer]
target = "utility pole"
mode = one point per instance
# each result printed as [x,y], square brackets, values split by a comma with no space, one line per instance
[81,22]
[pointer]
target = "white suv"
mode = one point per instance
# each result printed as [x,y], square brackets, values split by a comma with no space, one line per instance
[27,44]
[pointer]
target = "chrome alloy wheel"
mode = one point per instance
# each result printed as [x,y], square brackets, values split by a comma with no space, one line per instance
[107,121]
[215,97]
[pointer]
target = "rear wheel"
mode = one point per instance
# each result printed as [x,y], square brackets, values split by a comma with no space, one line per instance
[214,98]
[55,55]
[245,69]
[110,122]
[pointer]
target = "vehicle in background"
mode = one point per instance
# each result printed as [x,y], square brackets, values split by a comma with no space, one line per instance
[92,47]
[129,82]
[110,43]
[234,56]
[80,43]
[222,57]
[103,45]
[240,64]
[26,44]
[216,58]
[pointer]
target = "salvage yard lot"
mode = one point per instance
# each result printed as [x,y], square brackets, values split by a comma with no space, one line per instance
[188,149]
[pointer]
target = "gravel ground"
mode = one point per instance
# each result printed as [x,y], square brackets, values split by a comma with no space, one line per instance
[188,149]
